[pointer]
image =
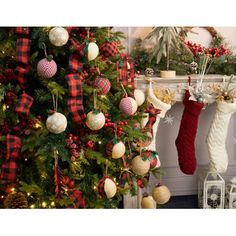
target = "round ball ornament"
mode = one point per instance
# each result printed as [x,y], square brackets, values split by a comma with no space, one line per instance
[139,96]
[140,165]
[46,68]
[153,157]
[102,84]
[109,49]
[56,123]
[161,194]
[95,120]
[107,187]
[128,106]
[116,150]
[148,202]
[58,36]
[93,51]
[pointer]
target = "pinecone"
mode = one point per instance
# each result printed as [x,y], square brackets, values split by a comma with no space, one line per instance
[16,201]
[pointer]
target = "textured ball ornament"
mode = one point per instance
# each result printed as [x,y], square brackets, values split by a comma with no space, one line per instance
[148,202]
[128,106]
[56,123]
[107,187]
[46,68]
[116,151]
[139,96]
[93,51]
[161,194]
[102,84]
[140,166]
[109,49]
[58,36]
[95,121]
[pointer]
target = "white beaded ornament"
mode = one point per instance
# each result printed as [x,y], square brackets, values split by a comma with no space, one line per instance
[56,123]
[58,36]
[95,121]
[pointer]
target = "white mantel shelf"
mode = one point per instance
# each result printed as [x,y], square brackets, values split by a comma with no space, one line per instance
[180,83]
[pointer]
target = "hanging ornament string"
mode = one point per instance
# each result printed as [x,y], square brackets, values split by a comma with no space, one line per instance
[55,101]
[95,99]
[88,32]
[108,32]
[45,51]
[106,169]
[122,86]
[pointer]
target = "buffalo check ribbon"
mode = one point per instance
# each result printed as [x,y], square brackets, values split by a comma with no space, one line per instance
[75,99]
[24,104]
[125,68]
[22,55]
[152,111]
[8,171]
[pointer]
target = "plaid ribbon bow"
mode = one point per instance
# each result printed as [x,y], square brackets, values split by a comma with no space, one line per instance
[152,111]
[75,100]
[77,197]
[22,55]
[9,167]
[126,74]
[24,104]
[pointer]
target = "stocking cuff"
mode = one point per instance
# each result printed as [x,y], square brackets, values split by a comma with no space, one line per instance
[226,107]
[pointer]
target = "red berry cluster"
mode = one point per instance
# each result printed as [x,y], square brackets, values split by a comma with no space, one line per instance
[197,49]
[74,144]
[68,182]
[217,52]
[115,126]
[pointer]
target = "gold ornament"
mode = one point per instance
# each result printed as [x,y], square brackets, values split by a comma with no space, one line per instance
[161,194]
[165,96]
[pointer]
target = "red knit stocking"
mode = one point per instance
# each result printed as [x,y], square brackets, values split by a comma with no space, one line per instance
[187,134]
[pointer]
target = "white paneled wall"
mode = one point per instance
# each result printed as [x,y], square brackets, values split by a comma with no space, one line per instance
[179,183]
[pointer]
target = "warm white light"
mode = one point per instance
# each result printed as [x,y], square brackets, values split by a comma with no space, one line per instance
[103,96]
[28,194]
[53,204]
[99,142]
[94,187]
[26,159]
[44,204]
[32,206]
[13,189]
[2,196]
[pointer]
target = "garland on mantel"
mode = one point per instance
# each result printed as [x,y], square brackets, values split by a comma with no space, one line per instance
[180,61]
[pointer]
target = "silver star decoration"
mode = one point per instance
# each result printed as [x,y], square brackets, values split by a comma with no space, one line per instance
[169,120]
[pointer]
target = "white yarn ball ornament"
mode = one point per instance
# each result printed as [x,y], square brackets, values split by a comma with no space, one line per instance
[148,202]
[110,188]
[140,166]
[128,106]
[93,51]
[58,36]
[139,96]
[56,123]
[118,150]
[95,121]
[161,194]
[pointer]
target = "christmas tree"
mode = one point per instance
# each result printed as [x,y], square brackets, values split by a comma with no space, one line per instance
[69,123]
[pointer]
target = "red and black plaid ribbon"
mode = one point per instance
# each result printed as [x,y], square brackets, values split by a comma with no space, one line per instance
[152,111]
[9,167]
[77,197]
[24,104]
[22,55]
[75,64]
[75,99]
[22,30]
[23,50]
[126,75]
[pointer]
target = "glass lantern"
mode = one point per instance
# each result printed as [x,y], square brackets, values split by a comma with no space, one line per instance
[230,194]
[211,191]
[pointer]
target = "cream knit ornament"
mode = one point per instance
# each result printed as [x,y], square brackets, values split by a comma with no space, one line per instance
[164,107]
[217,136]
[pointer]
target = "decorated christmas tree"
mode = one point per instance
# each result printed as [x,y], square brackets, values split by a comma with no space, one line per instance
[70,119]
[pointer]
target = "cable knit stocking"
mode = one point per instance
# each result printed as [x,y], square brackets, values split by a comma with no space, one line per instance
[185,141]
[217,136]
[164,107]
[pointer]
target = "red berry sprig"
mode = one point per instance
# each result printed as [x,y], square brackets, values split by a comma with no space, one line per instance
[74,144]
